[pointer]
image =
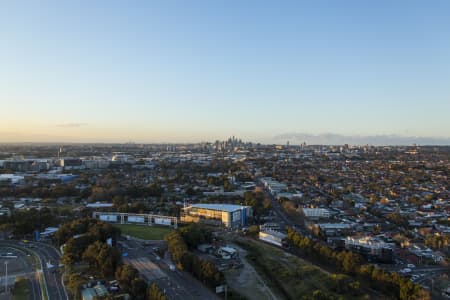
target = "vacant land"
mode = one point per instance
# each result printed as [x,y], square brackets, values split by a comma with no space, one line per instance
[248,282]
[21,290]
[144,232]
[293,277]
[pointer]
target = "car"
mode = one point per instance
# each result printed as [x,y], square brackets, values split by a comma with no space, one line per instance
[411,266]
[405,270]
[172,267]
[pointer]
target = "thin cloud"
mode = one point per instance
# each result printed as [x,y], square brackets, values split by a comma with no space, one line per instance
[71,125]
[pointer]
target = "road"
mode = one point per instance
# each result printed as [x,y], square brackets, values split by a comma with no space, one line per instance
[22,266]
[425,273]
[49,258]
[177,285]
[281,214]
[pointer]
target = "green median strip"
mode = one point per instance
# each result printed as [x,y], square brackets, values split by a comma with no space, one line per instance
[21,289]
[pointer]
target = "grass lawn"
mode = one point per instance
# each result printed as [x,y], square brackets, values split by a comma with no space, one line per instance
[21,289]
[144,232]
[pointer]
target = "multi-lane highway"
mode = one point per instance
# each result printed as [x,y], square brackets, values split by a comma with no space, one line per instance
[50,260]
[177,285]
[21,264]
[47,280]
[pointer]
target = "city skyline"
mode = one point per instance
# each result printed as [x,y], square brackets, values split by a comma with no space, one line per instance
[172,72]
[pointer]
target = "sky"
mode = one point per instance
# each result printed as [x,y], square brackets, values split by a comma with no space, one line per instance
[187,71]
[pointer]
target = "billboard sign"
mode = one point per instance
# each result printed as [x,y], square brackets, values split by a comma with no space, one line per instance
[108,218]
[136,219]
[163,221]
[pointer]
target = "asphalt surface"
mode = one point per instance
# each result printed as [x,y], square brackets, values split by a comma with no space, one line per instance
[49,257]
[177,285]
[50,260]
[24,266]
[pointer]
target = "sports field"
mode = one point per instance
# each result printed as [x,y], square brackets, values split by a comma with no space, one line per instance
[144,232]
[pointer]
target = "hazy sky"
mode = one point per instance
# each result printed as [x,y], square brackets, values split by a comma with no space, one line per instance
[151,71]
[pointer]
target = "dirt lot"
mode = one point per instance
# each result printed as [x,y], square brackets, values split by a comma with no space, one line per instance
[247,281]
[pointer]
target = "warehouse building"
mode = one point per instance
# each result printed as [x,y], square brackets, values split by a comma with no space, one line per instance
[273,237]
[316,213]
[228,215]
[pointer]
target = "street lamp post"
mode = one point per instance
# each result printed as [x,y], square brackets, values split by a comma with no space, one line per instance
[6,276]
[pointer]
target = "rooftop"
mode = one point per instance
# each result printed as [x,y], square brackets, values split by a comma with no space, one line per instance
[274,233]
[221,207]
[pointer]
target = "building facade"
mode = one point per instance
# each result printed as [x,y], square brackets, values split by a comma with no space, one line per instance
[228,215]
[371,248]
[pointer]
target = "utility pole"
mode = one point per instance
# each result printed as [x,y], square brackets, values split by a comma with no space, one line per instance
[432,286]
[6,276]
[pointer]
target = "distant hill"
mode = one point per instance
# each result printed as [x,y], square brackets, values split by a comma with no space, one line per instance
[338,139]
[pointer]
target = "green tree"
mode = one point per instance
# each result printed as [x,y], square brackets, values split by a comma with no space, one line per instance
[154,293]
[138,289]
[102,258]
[125,274]
[74,285]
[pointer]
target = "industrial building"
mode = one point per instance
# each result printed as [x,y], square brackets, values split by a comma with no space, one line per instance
[96,163]
[19,165]
[228,215]
[70,162]
[123,158]
[273,237]
[273,186]
[270,226]
[56,178]
[7,179]
[316,213]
